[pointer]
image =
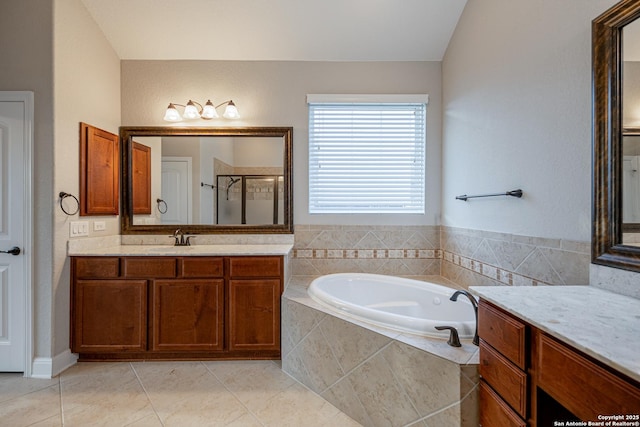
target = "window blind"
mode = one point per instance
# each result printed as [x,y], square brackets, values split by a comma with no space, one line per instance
[367,157]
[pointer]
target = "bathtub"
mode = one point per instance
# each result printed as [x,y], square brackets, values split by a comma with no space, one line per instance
[393,302]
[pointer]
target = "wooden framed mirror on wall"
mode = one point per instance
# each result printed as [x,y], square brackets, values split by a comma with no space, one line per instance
[614,40]
[201,180]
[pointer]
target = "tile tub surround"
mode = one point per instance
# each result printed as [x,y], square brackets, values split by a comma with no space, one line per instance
[467,257]
[375,375]
[474,257]
[391,250]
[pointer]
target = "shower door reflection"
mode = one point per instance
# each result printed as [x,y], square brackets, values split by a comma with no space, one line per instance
[229,199]
[249,199]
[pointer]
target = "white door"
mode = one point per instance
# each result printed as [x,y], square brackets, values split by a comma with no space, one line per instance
[15,135]
[176,190]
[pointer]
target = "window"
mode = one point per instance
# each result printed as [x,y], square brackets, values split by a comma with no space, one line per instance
[367,153]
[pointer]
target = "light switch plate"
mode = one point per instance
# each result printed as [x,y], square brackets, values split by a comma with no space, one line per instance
[78,228]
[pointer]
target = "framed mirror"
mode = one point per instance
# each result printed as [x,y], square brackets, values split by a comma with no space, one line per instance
[614,36]
[206,180]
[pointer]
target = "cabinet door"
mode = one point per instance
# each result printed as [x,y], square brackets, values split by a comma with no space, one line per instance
[109,315]
[141,178]
[254,314]
[99,171]
[188,315]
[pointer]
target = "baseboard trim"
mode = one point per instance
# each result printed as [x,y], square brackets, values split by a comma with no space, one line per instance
[47,367]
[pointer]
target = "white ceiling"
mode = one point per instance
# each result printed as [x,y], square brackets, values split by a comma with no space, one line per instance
[285,30]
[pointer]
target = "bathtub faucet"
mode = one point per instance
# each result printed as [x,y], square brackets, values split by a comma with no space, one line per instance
[474,303]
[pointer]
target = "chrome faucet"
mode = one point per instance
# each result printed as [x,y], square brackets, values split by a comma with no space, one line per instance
[180,238]
[474,303]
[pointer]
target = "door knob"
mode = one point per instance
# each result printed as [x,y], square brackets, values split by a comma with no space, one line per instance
[13,251]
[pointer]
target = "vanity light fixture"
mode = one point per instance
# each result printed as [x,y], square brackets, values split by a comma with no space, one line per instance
[194,110]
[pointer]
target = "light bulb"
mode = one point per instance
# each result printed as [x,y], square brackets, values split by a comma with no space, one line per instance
[172,114]
[231,112]
[190,111]
[209,111]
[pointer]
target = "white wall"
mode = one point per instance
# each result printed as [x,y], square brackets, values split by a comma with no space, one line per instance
[517,114]
[86,89]
[27,26]
[274,94]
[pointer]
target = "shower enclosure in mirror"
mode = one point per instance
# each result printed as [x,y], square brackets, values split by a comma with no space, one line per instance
[207,180]
[248,199]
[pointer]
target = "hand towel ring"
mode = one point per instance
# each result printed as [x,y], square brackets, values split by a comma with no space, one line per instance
[161,202]
[63,196]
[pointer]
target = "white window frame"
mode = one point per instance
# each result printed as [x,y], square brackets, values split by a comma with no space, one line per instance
[400,193]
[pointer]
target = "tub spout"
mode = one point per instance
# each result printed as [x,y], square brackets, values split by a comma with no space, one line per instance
[474,303]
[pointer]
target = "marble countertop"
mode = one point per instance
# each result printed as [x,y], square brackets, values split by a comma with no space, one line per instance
[599,323]
[170,250]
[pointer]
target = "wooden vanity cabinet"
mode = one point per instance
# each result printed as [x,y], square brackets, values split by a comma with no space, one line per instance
[503,368]
[529,378]
[255,286]
[176,307]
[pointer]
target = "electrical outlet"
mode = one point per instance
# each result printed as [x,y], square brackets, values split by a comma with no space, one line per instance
[99,226]
[78,228]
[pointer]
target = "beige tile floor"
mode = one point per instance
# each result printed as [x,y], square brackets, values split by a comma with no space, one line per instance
[184,394]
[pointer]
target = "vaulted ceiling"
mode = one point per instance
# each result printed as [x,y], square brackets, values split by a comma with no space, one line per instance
[284,30]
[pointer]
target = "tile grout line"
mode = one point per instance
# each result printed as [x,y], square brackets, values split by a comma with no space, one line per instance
[146,393]
[392,340]
[249,411]
[308,333]
[61,401]
[333,353]
[306,387]
[406,396]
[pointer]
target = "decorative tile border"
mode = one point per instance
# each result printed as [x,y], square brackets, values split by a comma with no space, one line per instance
[497,274]
[367,253]
[465,256]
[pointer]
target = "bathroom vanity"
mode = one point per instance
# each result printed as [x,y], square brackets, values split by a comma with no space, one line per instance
[130,303]
[549,355]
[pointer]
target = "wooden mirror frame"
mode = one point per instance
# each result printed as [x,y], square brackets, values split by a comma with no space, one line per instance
[606,240]
[126,218]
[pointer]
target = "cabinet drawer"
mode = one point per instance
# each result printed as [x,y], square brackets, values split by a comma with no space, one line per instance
[255,266]
[505,378]
[97,267]
[494,412]
[503,332]
[201,267]
[149,267]
[562,371]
